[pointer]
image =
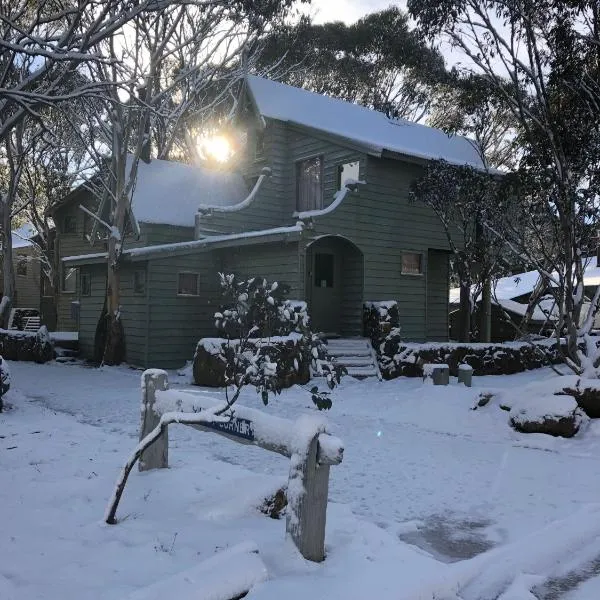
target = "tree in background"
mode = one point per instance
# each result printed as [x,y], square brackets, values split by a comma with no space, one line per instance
[377,62]
[464,199]
[549,52]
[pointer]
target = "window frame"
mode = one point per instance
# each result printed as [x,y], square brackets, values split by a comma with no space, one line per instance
[298,166]
[21,260]
[421,272]
[137,292]
[184,295]
[85,277]
[66,230]
[63,280]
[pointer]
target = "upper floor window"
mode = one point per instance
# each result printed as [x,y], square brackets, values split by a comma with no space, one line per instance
[69,280]
[309,184]
[348,172]
[70,224]
[22,265]
[187,284]
[412,263]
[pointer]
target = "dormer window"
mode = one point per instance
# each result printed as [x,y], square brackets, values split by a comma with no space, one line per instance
[348,172]
[309,184]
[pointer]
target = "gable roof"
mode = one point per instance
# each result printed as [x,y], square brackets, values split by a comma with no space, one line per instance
[370,128]
[170,193]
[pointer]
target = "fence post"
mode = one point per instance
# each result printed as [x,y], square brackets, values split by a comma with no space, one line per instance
[157,455]
[306,522]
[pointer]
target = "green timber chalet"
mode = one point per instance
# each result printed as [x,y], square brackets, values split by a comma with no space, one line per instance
[319,201]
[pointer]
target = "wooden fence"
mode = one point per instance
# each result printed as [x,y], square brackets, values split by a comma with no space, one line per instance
[311,450]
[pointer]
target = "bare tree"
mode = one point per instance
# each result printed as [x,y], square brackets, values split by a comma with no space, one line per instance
[549,53]
[174,73]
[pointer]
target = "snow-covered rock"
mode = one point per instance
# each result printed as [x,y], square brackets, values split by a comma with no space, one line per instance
[557,415]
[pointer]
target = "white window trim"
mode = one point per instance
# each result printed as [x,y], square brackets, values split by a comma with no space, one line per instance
[421,254]
[62,282]
[197,284]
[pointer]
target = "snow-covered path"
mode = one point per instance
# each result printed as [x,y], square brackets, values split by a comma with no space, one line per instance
[419,463]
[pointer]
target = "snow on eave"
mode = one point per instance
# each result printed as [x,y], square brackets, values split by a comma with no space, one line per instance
[185,247]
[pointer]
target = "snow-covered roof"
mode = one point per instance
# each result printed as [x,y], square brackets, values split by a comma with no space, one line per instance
[368,127]
[170,193]
[513,286]
[21,236]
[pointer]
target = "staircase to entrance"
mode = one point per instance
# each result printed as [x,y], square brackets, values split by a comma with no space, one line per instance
[356,354]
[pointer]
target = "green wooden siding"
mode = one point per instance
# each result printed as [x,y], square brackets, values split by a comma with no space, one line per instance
[176,323]
[268,209]
[28,285]
[275,262]
[90,308]
[382,222]
[438,283]
[308,145]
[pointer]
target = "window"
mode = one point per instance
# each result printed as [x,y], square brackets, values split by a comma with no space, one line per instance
[70,224]
[309,188]
[69,280]
[347,171]
[22,266]
[187,284]
[412,263]
[85,284]
[324,270]
[139,281]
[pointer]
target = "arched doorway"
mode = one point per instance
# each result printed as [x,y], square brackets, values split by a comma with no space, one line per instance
[334,285]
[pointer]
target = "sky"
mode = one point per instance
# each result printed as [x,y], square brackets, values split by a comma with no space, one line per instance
[348,10]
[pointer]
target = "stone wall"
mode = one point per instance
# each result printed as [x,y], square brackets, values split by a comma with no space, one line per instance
[398,358]
[21,345]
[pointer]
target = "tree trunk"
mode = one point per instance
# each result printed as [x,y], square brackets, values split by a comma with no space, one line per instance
[114,350]
[9,290]
[464,334]
[485,325]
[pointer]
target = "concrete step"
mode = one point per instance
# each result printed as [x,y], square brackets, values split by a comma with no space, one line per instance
[355,361]
[348,352]
[363,372]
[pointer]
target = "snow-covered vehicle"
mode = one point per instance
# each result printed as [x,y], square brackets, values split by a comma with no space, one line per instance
[4,377]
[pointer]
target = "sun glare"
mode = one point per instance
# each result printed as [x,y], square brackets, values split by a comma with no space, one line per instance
[217,147]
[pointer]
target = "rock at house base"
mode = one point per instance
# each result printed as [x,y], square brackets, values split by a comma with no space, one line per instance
[210,360]
[557,415]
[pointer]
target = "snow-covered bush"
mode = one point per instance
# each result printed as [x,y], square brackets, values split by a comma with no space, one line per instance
[397,358]
[26,345]
[379,319]
[255,311]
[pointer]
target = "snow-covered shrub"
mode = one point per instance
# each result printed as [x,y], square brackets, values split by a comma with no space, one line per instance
[398,358]
[25,345]
[557,415]
[253,313]
[214,354]
[380,319]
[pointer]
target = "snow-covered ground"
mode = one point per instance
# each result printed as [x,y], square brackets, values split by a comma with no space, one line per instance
[432,498]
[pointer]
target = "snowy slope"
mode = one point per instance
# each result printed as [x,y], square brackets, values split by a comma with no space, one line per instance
[371,128]
[425,482]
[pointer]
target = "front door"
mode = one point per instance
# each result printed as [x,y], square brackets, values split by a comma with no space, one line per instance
[325,285]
